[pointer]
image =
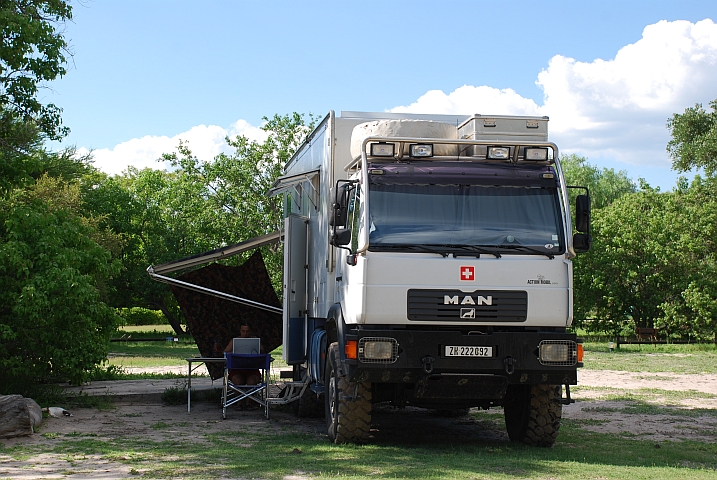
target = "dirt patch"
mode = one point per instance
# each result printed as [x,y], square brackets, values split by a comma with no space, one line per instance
[706,383]
[659,424]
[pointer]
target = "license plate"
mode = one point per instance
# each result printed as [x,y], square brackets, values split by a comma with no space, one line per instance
[463,351]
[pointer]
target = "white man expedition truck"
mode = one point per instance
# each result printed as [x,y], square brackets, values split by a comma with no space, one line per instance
[428,264]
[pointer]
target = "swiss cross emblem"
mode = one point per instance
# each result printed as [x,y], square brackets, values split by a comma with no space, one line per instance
[468,274]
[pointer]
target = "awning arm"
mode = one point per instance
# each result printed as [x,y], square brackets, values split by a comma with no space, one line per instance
[283,184]
[214,293]
[216,254]
[209,256]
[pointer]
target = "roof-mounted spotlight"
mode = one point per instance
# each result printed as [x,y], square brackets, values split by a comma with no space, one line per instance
[383,149]
[421,150]
[498,153]
[535,154]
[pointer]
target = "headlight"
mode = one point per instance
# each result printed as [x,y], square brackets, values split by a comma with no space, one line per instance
[378,350]
[535,154]
[418,150]
[383,149]
[498,153]
[558,352]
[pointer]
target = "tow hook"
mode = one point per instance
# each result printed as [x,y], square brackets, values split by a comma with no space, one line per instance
[428,363]
[509,365]
[567,400]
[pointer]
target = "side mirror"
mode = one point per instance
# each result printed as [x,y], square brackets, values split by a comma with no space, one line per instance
[582,214]
[582,242]
[339,209]
[340,237]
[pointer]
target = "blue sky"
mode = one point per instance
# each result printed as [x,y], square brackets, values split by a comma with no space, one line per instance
[147,73]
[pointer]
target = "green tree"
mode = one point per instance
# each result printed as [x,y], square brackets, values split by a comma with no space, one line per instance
[54,270]
[694,139]
[32,52]
[605,185]
[55,261]
[692,313]
[198,206]
[652,264]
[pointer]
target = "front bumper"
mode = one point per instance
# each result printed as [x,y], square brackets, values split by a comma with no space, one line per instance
[421,359]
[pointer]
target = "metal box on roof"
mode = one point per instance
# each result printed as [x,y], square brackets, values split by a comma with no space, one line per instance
[504,128]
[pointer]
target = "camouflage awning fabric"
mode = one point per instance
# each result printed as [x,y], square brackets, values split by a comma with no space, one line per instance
[213,320]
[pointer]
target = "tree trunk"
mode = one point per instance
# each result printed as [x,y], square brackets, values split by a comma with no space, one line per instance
[173,321]
[18,416]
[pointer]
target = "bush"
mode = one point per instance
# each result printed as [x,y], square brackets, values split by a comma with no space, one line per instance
[136,316]
[54,325]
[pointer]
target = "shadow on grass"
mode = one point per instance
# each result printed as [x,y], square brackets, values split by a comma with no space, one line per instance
[578,454]
[407,444]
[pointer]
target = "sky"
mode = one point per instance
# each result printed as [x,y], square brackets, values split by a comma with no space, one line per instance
[146,74]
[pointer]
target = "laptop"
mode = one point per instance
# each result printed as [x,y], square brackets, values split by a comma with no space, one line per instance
[246,346]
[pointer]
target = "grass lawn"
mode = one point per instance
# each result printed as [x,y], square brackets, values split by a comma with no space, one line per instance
[153,354]
[700,358]
[579,454]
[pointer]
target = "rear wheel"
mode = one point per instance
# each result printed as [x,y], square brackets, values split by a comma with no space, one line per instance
[348,404]
[533,413]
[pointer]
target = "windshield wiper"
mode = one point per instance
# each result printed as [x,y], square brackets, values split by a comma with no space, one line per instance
[474,249]
[526,249]
[409,247]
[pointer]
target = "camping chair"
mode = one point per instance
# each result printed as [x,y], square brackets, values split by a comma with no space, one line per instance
[259,393]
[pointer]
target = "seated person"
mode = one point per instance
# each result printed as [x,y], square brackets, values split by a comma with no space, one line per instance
[241,376]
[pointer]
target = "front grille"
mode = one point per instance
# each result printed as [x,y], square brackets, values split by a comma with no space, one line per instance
[458,306]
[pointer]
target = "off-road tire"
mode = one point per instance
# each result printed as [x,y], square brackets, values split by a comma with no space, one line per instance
[533,413]
[347,405]
[310,405]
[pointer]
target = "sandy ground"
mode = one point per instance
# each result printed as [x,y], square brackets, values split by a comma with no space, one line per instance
[681,416]
[633,380]
[586,378]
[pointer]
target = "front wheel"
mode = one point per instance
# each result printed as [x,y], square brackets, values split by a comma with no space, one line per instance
[533,413]
[348,404]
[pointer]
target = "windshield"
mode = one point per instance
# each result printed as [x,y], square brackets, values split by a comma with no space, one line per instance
[524,219]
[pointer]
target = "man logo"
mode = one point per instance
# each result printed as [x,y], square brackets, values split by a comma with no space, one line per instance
[468,300]
[468,313]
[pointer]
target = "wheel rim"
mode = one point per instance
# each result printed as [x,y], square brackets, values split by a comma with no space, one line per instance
[332,396]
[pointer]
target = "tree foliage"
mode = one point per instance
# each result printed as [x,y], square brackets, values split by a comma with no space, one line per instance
[652,264]
[56,262]
[605,185]
[198,206]
[694,139]
[32,52]
[54,269]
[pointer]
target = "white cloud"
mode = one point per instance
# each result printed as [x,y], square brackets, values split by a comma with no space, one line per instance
[469,99]
[619,108]
[204,141]
[612,109]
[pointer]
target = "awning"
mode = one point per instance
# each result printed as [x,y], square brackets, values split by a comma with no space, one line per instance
[212,255]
